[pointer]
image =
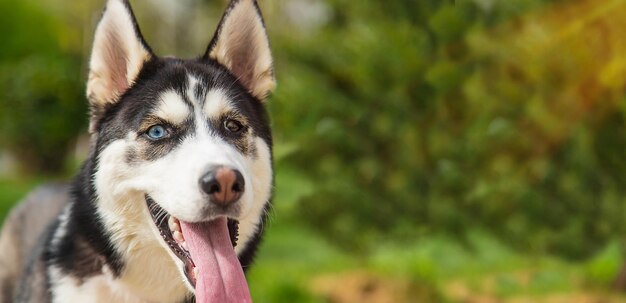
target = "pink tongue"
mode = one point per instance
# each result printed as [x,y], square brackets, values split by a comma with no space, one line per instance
[220,277]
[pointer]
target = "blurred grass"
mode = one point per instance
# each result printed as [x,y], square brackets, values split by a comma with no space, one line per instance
[11,190]
[296,264]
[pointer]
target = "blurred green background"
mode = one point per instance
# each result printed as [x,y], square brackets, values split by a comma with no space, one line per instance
[426,150]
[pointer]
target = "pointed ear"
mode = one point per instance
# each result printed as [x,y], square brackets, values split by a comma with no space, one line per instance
[241,45]
[119,52]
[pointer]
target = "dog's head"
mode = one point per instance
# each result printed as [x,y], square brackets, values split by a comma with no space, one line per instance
[179,141]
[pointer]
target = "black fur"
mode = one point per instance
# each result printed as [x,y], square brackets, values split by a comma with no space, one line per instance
[86,246]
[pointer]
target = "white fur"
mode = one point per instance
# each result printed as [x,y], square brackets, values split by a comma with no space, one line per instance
[97,289]
[172,180]
[261,173]
[61,230]
[172,108]
[125,214]
[216,103]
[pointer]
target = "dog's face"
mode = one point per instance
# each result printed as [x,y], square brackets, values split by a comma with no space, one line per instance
[179,140]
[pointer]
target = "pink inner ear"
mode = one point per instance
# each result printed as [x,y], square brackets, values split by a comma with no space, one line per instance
[116,59]
[243,61]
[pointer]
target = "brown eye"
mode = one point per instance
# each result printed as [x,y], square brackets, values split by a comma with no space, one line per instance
[233,126]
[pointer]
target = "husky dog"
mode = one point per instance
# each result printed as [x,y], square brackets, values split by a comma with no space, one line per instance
[170,204]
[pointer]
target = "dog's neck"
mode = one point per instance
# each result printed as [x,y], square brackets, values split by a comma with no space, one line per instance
[86,259]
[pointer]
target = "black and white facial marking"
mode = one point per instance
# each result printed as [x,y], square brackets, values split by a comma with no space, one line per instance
[171,129]
[180,120]
[164,127]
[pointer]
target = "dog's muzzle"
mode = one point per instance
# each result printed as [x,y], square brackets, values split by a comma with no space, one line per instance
[223,184]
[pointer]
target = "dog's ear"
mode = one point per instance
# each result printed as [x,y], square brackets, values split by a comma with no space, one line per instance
[241,44]
[119,52]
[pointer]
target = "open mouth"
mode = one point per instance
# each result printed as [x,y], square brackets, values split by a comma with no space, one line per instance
[171,231]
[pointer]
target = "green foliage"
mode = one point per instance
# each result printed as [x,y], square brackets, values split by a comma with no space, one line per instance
[42,106]
[422,116]
[12,190]
[306,254]
[604,267]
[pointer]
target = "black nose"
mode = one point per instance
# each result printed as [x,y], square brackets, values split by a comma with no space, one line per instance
[223,184]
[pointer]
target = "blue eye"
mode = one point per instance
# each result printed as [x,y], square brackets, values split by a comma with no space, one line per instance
[157,132]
